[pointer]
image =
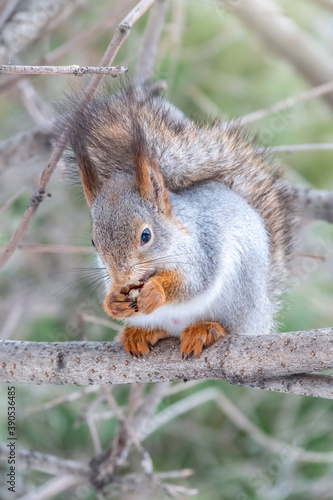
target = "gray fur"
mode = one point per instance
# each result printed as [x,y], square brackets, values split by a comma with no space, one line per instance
[224,255]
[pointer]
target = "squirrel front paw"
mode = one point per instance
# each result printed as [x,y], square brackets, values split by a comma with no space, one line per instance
[119,306]
[151,297]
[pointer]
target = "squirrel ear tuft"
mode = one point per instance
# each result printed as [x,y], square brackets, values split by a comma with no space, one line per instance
[159,192]
[91,182]
[149,180]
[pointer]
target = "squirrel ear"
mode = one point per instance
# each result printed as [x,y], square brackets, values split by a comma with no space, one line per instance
[91,182]
[149,180]
[159,192]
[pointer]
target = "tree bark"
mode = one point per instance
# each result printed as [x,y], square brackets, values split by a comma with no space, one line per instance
[274,362]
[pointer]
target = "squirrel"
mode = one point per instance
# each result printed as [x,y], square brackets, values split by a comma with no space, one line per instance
[195,217]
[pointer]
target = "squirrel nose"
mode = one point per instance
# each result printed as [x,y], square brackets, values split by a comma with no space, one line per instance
[120,281]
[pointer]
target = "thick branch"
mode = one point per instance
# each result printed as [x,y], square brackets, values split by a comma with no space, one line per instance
[244,360]
[74,69]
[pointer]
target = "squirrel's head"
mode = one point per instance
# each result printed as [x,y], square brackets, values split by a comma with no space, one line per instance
[131,215]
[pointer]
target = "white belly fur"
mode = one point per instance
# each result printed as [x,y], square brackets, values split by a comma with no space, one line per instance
[173,317]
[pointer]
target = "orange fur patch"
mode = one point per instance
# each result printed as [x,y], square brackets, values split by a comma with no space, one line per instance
[138,341]
[170,282]
[118,306]
[199,335]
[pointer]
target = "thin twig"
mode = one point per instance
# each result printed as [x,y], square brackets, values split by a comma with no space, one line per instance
[284,104]
[28,247]
[146,461]
[149,45]
[299,147]
[239,420]
[37,108]
[49,464]
[74,70]
[80,40]
[102,321]
[63,399]
[23,146]
[119,37]
[53,487]
[8,11]
[12,321]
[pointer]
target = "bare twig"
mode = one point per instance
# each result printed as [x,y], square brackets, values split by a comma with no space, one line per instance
[8,11]
[148,49]
[243,360]
[300,147]
[239,420]
[315,203]
[146,461]
[31,21]
[23,146]
[49,464]
[63,399]
[283,36]
[119,37]
[37,108]
[63,70]
[53,487]
[102,321]
[94,434]
[318,91]
[54,248]
[12,321]
[80,40]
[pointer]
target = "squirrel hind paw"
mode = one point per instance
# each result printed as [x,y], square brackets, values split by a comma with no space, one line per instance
[199,335]
[138,342]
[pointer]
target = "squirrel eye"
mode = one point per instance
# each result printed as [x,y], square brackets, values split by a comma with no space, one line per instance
[93,243]
[145,236]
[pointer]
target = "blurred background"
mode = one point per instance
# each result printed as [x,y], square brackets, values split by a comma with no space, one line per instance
[214,65]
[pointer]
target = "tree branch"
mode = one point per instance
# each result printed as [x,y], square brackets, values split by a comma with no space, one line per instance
[148,49]
[315,204]
[326,88]
[53,487]
[261,361]
[291,148]
[23,146]
[63,70]
[31,21]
